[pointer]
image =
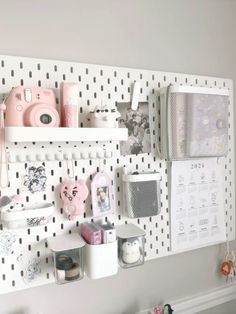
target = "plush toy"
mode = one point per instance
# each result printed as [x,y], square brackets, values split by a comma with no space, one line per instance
[130,251]
[104,117]
[73,194]
[12,204]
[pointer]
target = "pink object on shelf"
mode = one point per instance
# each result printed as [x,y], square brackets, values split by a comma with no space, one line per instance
[70,116]
[69,104]
[31,107]
[91,233]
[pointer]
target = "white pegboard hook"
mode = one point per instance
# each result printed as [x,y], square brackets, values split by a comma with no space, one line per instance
[70,171]
[135,96]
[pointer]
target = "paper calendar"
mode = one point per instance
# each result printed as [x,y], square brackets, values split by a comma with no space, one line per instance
[197,203]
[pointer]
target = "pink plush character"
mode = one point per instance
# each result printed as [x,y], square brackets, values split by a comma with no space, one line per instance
[73,194]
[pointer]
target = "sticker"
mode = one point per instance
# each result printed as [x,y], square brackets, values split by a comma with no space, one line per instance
[35,179]
[33,269]
[36,221]
[7,240]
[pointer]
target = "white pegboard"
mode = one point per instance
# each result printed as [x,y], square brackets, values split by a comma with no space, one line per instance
[111,85]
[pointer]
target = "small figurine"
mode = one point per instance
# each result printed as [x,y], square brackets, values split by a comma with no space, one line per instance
[232,274]
[157,310]
[167,309]
[227,267]
[131,251]
[73,195]
[104,117]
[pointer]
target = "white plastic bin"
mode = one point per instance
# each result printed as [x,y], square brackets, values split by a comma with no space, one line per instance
[67,252]
[142,194]
[101,260]
[130,245]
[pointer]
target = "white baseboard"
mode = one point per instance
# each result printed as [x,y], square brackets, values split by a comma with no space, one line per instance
[203,301]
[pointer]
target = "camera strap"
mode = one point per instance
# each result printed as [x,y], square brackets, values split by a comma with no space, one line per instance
[4,178]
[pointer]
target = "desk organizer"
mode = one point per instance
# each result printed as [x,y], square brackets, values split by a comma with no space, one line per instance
[142,194]
[130,245]
[101,260]
[194,122]
[68,257]
[35,215]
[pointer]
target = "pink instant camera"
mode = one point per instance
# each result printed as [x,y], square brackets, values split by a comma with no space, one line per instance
[31,107]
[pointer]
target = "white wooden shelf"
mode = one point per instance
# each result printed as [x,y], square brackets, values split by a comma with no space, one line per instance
[32,134]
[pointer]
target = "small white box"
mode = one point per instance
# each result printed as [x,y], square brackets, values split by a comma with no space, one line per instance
[101,260]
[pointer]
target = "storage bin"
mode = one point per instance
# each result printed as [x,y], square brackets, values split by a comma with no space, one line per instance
[142,194]
[68,257]
[130,245]
[101,260]
[35,215]
[194,122]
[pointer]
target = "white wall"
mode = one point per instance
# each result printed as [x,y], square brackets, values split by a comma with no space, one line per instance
[189,36]
[226,308]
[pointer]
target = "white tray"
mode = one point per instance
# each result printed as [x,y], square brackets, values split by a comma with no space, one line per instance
[32,134]
[35,215]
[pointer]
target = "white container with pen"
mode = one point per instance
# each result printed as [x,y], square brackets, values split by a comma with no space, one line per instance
[100,250]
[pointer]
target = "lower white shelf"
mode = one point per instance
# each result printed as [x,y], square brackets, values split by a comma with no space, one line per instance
[37,134]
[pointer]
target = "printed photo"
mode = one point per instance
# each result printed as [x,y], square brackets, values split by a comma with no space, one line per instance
[137,123]
[103,203]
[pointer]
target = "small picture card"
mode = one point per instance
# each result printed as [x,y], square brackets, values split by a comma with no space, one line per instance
[102,200]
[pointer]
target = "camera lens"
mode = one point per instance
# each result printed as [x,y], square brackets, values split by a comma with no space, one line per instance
[45,118]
